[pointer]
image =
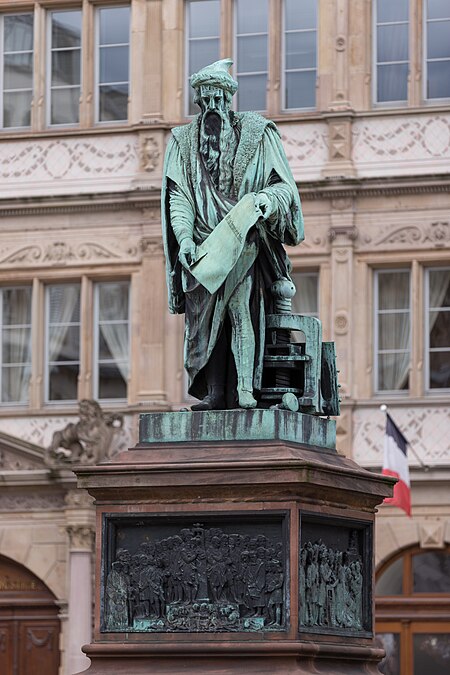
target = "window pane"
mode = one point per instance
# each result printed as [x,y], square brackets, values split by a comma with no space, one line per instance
[18,71]
[438,82]
[113,342]
[65,106]
[300,15]
[390,642]
[439,288]
[17,109]
[301,50]
[64,303]
[431,653]
[113,301]
[438,9]
[393,331]
[113,102]
[201,53]
[252,54]
[204,18]
[438,39]
[391,581]
[252,92]
[112,383]
[392,43]
[393,373]
[18,32]
[393,290]
[16,347]
[387,10]
[114,25]
[64,343]
[66,68]
[114,64]
[440,329]
[305,301]
[16,306]
[252,16]
[15,382]
[301,89]
[392,82]
[431,572]
[63,383]
[439,370]
[66,29]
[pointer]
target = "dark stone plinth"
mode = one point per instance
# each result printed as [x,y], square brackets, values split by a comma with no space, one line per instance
[236,425]
[207,552]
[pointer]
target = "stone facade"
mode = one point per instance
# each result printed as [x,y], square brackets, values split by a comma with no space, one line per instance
[82,203]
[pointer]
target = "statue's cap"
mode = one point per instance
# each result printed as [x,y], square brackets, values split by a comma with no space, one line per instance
[215,75]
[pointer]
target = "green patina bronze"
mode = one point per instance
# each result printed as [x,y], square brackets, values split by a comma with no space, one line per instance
[229,205]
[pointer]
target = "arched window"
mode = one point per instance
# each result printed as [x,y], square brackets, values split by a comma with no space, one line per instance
[413,612]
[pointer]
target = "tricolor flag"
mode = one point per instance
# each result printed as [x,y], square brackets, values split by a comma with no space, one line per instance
[395,463]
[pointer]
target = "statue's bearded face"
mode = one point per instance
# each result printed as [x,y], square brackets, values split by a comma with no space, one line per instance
[213,99]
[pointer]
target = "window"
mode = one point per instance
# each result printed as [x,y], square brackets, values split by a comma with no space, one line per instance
[62,342]
[300,54]
[412,609]
[16,38]
[64,65]
[113,47]
[244,29]
[392,330]
[437,49]
[15,355]
[437,326]
[306,299]
[391,48]
[111,343]
[202,39]
[252,53]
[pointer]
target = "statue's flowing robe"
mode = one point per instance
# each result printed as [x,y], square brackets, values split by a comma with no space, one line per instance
[259,165]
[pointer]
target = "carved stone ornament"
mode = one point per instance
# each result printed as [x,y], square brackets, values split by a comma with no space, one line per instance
[86,442]
[199,579]
[150,153]
[81,537]
[78,499]
[61,253]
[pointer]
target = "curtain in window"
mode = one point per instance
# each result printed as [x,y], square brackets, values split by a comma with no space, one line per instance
[116,337]
[305,300]
[63,306]
[16,379]
[114,308]
[394,367]
[438,285]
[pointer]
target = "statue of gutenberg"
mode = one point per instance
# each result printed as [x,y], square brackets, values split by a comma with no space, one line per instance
[211,164]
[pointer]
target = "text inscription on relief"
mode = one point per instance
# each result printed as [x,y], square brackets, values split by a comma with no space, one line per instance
[334,577]
[194,577]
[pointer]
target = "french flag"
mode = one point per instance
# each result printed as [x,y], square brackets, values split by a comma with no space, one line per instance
[395,463]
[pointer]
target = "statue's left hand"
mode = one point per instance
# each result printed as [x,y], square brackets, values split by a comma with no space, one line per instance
[265,204]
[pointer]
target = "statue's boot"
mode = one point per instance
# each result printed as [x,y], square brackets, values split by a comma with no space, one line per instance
[214,400]
[246,398]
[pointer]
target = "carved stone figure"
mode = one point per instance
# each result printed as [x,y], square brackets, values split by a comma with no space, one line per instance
[226,175]
[330,586]
[200,579]
[86,442]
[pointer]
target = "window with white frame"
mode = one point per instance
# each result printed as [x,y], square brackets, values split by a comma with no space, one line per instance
[64,66]
[300,54]
[112,63]
[62,342]
[306,299]
[15,354]
[391,49]
[392,330]
[437,327]
[252,58]
[437,49]
[202,40]
[111,339]
[16,70]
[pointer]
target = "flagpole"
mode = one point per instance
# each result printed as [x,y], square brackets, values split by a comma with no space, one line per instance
[425,467]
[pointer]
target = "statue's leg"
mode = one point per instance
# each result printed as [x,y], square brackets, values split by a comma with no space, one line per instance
[215,374]
[243,341]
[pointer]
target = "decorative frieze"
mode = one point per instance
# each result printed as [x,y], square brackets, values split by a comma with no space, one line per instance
[306,148]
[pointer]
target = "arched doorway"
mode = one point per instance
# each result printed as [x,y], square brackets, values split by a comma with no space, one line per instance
[29,624]
[413,612]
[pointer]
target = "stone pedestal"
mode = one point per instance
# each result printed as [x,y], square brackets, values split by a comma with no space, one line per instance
[224,556]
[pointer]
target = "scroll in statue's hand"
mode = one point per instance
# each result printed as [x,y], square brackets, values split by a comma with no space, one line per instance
[188,251]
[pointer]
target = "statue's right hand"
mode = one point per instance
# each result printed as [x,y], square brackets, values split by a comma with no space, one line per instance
[187,252]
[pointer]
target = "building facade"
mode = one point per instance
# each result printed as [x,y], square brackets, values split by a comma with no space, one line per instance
[360,91]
